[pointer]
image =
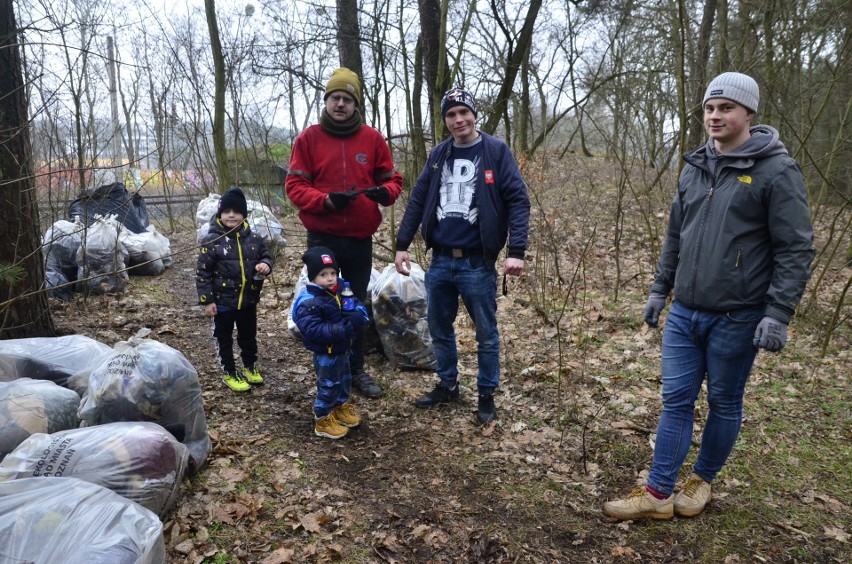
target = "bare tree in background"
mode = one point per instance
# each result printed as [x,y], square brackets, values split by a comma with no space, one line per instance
[23,311]
[349,36]
[220,148]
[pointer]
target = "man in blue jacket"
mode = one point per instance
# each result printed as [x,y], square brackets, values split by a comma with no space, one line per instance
[468,201]
[737,255]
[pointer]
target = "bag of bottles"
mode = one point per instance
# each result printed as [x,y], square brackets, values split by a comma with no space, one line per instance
[47,520]
[102,258]
[400,315]
[30,406]
[140,461]
[143,380]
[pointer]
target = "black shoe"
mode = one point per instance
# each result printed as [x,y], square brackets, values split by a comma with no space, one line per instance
[438,395]
[485,412]
[365,384]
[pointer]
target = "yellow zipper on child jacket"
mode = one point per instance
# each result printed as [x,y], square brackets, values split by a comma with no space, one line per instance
[337,299]
[242,271]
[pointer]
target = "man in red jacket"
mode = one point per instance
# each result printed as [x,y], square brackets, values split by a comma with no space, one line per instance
[341,171]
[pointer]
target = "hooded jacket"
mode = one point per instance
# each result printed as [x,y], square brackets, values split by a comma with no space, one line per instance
[225,271]
[501,198]
[324,327]
[739,233]
[322,163]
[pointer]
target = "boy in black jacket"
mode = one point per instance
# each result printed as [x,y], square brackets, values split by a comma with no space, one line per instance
[231,266]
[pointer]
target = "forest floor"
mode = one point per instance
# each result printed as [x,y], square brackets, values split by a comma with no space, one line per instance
[577,409]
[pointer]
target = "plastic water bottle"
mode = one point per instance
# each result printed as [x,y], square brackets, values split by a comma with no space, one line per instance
[347,298]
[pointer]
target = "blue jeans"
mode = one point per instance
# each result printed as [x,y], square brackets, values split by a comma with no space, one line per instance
[475,280]
[697,344]
[334,382]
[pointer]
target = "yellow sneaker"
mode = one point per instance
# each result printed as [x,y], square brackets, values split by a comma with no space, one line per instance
[236,382]
[252,375]
[640,504]
[329,427]
[346,416]
[694,495]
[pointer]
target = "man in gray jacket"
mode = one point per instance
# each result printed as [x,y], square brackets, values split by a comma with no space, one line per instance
[737,254]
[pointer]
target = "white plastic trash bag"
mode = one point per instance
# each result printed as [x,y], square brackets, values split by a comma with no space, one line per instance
[103,257]
[52,520]
[144,380]
[400,315]
[50,358]
[206,209]
[292,328]
[140,461]
[144,252]
[59,246]
[30,406]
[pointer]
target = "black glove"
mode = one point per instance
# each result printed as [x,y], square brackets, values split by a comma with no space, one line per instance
[771,334]
[341,199]
[656,303]
[378,194]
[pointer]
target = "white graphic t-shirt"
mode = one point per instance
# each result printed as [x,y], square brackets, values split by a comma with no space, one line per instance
[457,213]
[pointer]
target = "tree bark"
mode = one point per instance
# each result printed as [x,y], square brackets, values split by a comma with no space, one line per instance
[433,49]
[24,312]
[220,148]
[699,73]
[349,37]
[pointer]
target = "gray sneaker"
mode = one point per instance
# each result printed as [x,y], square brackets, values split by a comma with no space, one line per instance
[695,494]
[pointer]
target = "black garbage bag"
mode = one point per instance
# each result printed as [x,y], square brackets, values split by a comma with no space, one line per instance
[111,199]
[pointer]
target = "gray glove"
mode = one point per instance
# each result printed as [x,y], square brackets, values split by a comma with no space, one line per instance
[770,334]
[656,303]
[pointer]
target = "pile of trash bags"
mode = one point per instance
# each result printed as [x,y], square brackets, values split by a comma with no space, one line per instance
[260,218]
[94,444]
[108,236]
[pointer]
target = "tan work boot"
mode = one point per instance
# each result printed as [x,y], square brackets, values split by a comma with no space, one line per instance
[329,427]
[694,495]
[639,504]
[346,416]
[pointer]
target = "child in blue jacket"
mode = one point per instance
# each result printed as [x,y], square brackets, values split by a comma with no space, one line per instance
[327,331]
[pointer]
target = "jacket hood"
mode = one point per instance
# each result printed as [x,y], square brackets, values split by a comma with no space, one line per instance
[764,142]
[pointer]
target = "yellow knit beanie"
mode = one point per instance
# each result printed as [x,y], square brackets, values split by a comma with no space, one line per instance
[345,80]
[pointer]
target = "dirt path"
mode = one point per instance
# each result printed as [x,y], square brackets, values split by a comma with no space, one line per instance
[409,485]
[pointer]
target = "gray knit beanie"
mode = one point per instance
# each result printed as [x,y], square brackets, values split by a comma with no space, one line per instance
[735,86]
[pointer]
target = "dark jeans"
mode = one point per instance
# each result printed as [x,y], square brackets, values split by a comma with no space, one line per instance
[223,329]
[355,257]
[474,279]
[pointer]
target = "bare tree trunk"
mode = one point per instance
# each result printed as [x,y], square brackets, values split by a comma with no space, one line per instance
[23,311]
[514,59]
[699,72]
[349,37]
[433,48]
[220,149]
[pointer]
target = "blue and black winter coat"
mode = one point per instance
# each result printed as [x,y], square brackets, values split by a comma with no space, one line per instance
[325,327]
[225,271]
